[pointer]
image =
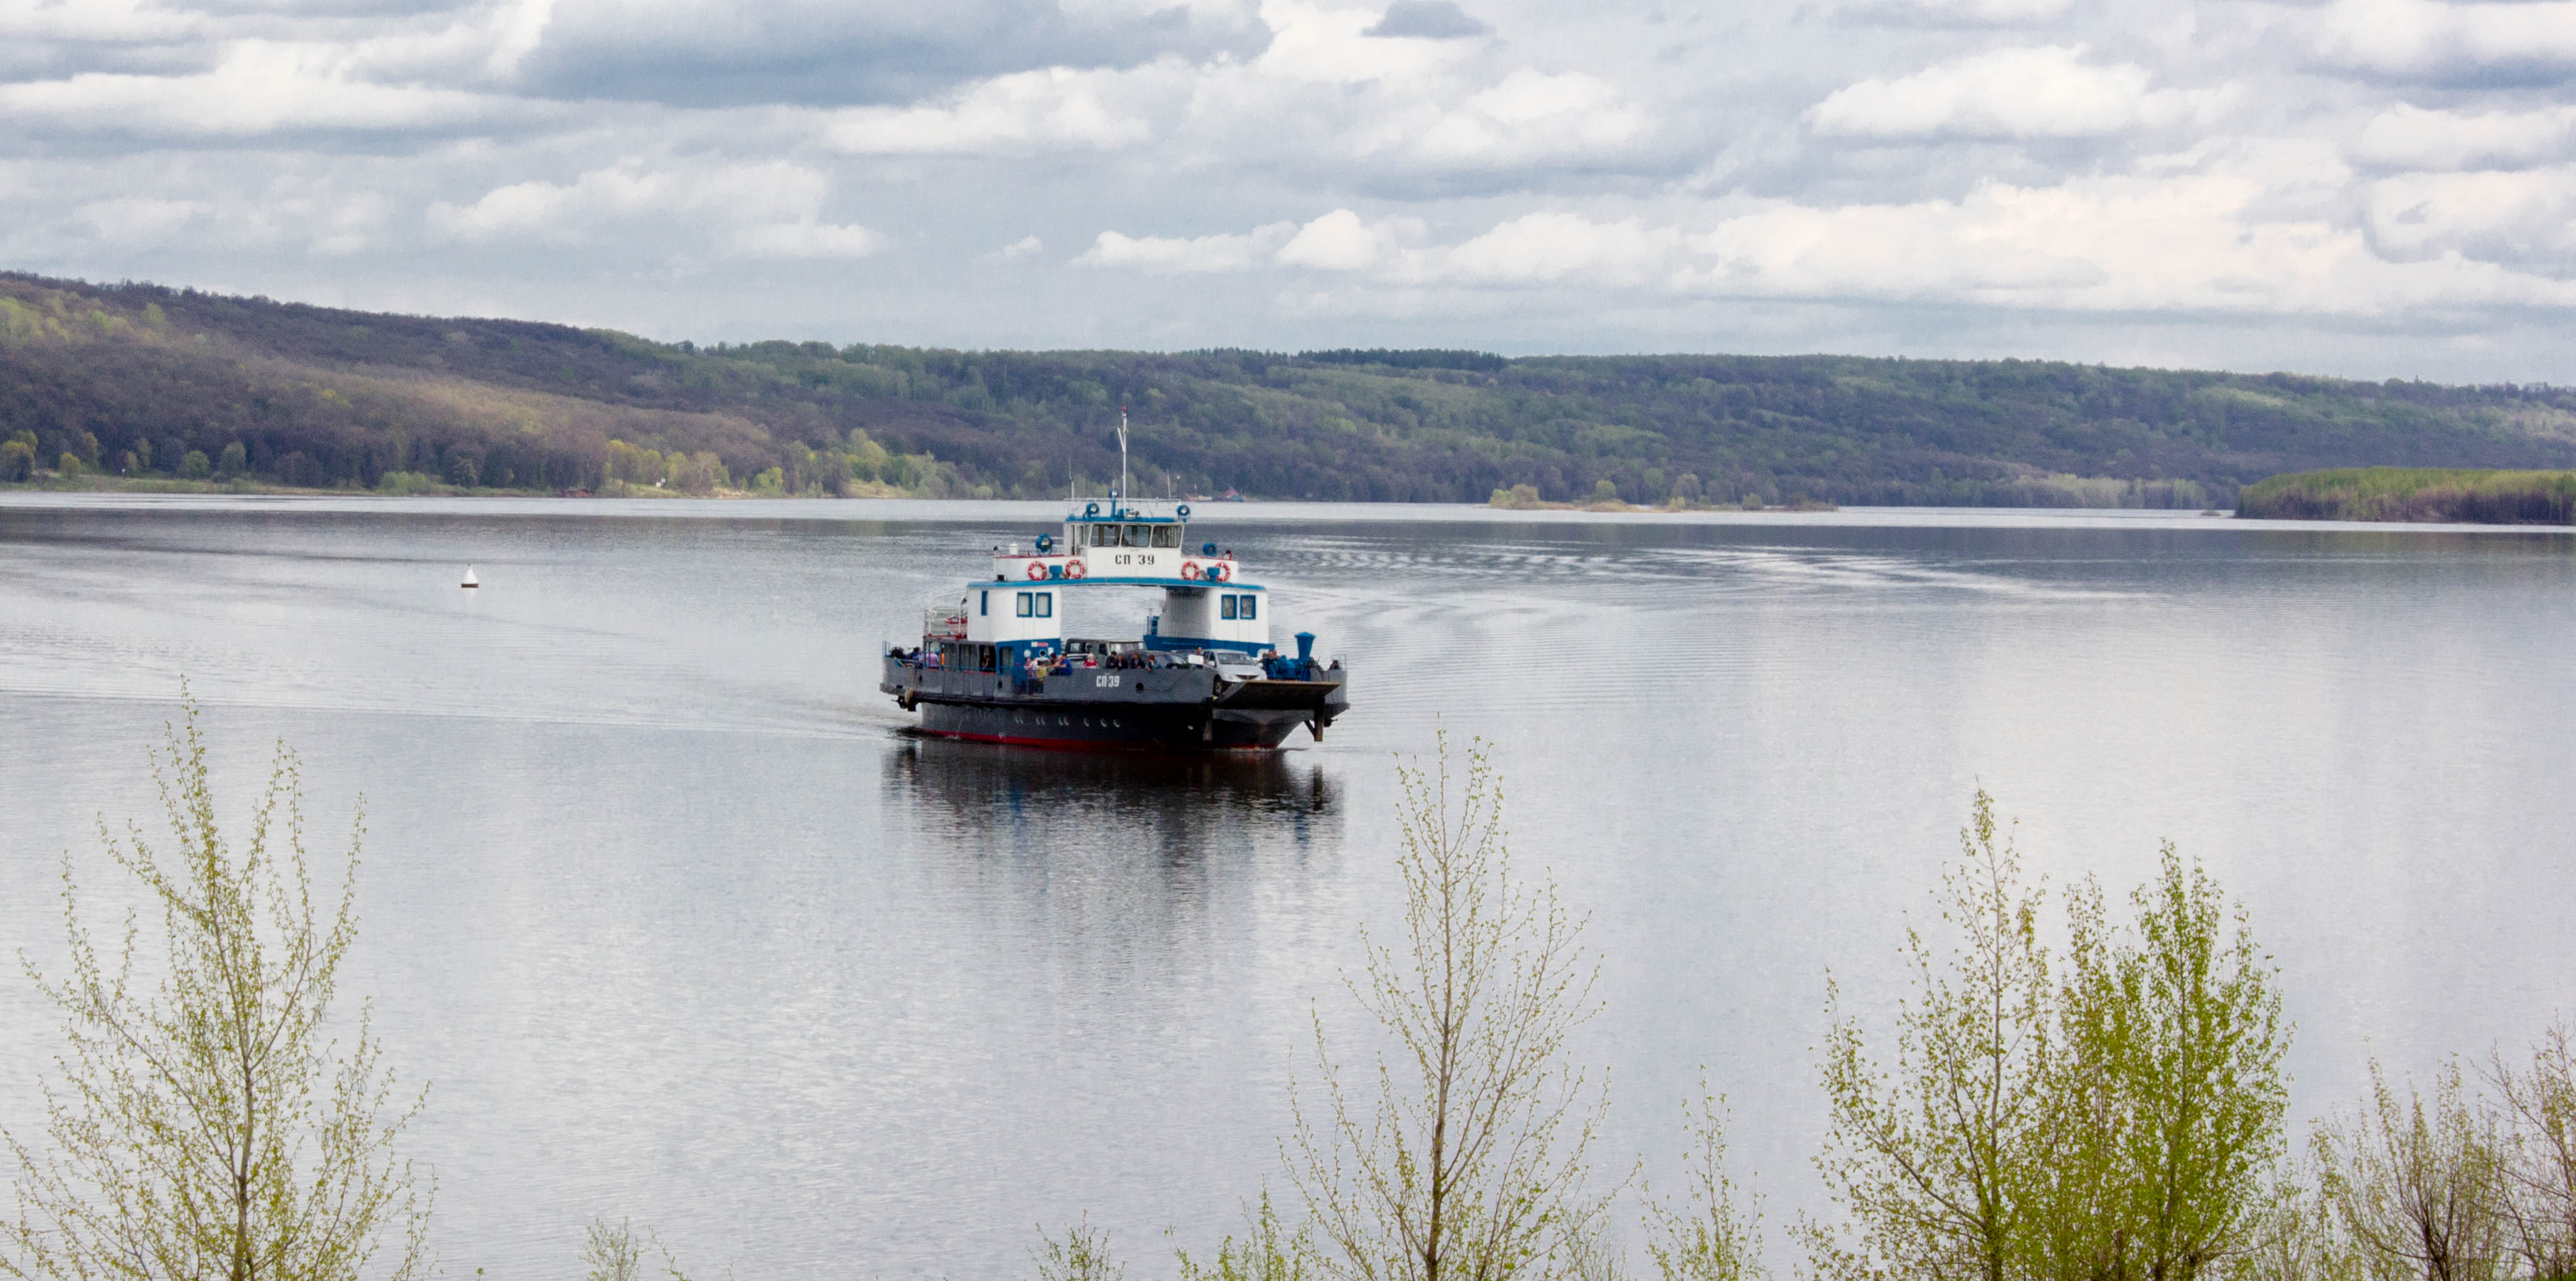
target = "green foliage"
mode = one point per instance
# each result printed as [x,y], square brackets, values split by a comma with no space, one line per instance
[217,1124]
[2418,1192]
[1939,1165]
[1083,1255]
[195,465]
[358,395]
[1705,1236]
[1266,1252]
[233,462]
[2121,1120]
[1466,1153]
[17,461]
[2415,494]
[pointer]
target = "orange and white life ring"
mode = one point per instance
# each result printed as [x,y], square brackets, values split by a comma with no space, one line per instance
[1074,569]
[1189,569]
[1220,572]
[1036,571]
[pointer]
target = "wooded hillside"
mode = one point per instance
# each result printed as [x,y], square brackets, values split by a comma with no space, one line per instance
[320,397]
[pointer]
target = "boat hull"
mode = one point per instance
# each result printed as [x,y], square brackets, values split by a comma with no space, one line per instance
[1102,709]
[1110,727]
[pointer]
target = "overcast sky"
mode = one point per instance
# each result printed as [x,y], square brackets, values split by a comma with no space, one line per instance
[2367,187]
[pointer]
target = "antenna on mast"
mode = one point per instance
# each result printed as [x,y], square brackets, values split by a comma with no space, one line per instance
[1122,454]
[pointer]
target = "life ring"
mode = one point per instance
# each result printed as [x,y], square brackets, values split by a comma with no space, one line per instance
[1189,569]
[1036,571]
[1219,572]
[1074,569]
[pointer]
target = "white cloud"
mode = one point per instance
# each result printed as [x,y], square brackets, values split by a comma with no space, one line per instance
[2044,92]
[2525,217]
[1558,247]
[2215,233]
[139,220]
[1056,107]
[1163,255]
[257,87]
[2426,37]
[2409,137]
[770,210]
[1343,241]
[1024,247]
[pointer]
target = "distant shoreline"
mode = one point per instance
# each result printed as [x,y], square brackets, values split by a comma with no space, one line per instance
[2415,495]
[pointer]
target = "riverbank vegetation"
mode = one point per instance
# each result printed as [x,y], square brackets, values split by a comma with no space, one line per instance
[207,1117]
[2415,494]
[2068,1091]
[128,384]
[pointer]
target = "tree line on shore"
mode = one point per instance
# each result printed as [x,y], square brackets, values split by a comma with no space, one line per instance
[2416,494]
[2110,1106]
[138,380]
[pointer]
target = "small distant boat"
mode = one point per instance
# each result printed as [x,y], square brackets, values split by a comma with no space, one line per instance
[470,580]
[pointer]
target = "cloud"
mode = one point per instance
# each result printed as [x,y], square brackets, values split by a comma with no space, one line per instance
[1343,241]
[1427,20]
[770,210]
[833,53]
[2214,234]
[2427,39]
[2525,218]
[1052,108]
[139,220]
[2409,137]
[258,87]
[1190,255]
[1024,247]
[1531,115]
[1552,248]
[1955,13]
[2044,92]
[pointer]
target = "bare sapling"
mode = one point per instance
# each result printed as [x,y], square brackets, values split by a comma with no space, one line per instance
[1704,1235]
[2418,1190]
[1081,1255]
[203,1121]
[2539,1114]
[1463,1154]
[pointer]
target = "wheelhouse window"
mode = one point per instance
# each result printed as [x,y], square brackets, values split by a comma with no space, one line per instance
[1226,607]
[1046,604]
[1140,535]
[1251,607]
[1167,535]
[1027,606]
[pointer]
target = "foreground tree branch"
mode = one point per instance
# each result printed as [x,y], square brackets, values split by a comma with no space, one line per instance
[202,1122]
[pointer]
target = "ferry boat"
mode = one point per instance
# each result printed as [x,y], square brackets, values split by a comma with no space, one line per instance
[997,666]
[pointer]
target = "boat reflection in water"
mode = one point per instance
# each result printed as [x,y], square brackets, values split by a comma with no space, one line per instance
[1185,807]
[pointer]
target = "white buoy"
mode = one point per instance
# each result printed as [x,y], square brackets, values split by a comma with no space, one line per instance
[469,578]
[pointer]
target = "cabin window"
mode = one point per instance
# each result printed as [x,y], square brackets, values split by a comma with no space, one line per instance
[984,654]
[1046,604]
[1251,607]
[1027,608]
[985,605]
[1140,536]
[1167,535]
[1226,609]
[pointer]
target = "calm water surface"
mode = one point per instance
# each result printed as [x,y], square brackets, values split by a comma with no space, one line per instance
[682,928]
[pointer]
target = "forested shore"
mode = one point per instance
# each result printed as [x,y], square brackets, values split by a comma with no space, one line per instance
[2416,494]
[188,390]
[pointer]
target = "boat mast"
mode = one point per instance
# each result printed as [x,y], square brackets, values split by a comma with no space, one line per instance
[1122,460]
